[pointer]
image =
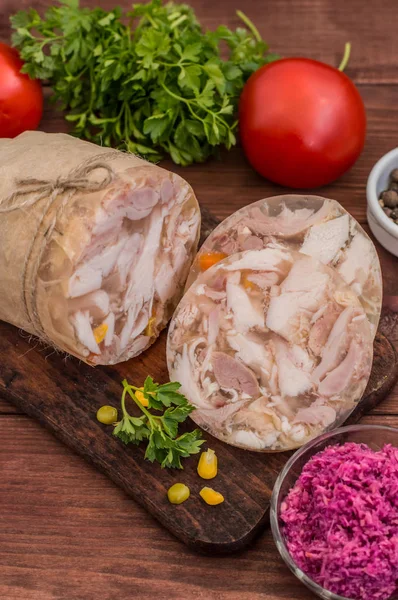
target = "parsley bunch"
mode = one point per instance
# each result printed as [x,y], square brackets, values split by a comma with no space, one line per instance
[161,88]
[161,431]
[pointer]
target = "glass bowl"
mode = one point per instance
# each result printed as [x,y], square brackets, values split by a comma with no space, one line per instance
[374,436]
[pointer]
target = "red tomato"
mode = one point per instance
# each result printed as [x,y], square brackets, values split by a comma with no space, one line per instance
[302,122]
[21,98]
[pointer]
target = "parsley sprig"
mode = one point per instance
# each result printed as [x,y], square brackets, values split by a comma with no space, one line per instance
[161,431]
[161,88]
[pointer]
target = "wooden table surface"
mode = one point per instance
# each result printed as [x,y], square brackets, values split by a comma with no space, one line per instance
[66,532]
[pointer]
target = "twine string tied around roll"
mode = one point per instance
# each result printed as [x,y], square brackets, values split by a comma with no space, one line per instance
[31,191]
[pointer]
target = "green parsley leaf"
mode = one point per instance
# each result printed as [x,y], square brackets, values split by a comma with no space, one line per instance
[189,77]
[161,431]
[131,430]
[216,75]
[156,126]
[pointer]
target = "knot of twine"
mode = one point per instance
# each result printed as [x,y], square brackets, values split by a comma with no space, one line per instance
[30,192]
[38,189]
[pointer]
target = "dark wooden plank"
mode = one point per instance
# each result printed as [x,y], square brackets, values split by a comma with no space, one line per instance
[313,28]
[381,381]
[390,420]
[6,408]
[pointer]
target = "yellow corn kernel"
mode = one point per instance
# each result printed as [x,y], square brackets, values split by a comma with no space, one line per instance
[207,466]
[211,497]
[100,332]
[150,330]
[178,493]
[139,394]
[249,285]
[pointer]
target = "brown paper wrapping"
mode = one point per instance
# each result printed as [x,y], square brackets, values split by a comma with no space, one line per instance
[49,183]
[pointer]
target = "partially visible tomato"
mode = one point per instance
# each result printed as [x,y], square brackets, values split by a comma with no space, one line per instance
[302,122]
[21,98]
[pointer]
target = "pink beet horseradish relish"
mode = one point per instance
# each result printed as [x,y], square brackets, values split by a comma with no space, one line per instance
[340,521]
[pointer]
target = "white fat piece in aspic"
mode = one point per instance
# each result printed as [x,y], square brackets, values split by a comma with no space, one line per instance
[82,325]
[357,262]
[325,240]
[244,313]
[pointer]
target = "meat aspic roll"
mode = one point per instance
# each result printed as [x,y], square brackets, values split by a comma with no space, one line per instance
[312,225]
[95,245]
[272,347]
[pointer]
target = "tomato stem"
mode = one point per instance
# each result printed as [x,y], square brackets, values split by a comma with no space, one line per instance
[346,57]
[250,25]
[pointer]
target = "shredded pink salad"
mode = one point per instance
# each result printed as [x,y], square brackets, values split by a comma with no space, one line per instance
[340,521]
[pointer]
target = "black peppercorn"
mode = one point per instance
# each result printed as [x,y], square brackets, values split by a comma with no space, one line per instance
[394,175]
[390,198]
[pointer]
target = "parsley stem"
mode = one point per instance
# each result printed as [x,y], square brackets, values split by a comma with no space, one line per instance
[346,57]
[49,39]
[250,25]
[152,22]
[123,401]
[133,387]
[178,21]
[179,64]
[181,99]
[127,388]
[189,102]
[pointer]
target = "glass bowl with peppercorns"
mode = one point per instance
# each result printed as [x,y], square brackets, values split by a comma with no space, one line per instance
[382,196]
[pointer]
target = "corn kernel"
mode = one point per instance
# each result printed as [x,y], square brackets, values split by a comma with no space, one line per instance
[178,493]
[150,330]
[249,285]
[100,332]
[207,466]
[139,394]
[211,497]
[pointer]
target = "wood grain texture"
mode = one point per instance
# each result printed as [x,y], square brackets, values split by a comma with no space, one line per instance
[66,531]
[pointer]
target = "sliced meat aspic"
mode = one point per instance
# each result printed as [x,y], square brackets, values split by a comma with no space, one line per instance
[101,241]
[315,226]
[289,357]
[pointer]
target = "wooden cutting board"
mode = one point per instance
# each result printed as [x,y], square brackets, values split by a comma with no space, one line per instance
[64,395]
